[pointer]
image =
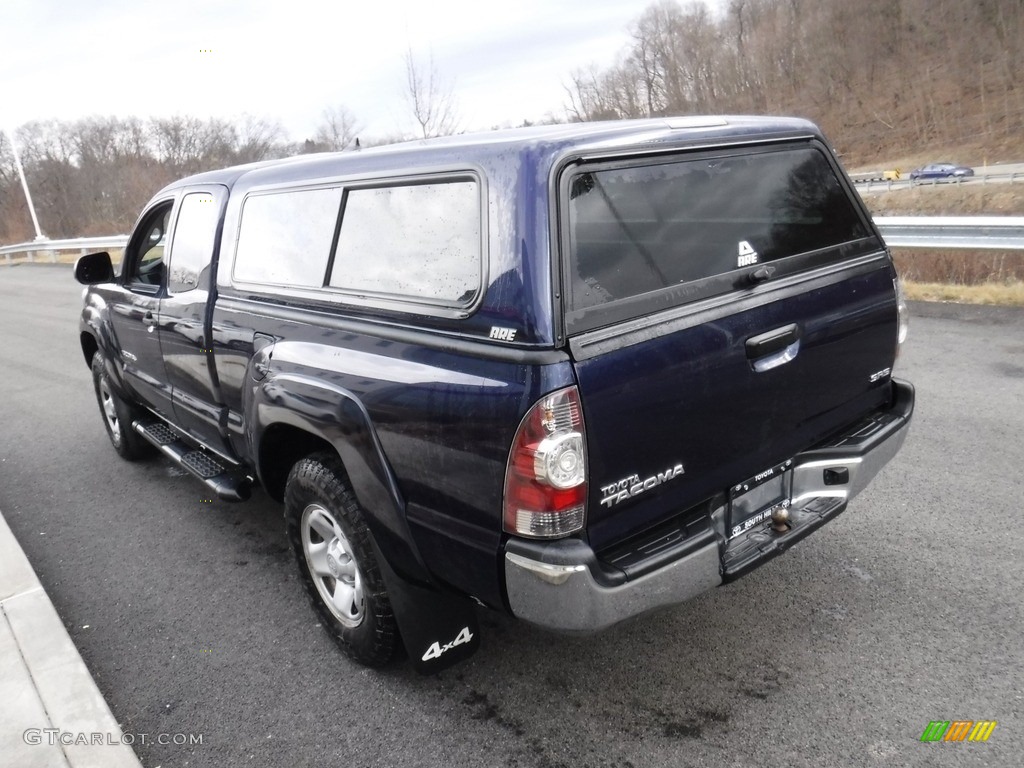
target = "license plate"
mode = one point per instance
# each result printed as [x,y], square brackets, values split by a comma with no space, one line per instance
[751,503]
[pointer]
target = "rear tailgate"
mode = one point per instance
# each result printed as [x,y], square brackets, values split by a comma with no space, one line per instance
[725,311]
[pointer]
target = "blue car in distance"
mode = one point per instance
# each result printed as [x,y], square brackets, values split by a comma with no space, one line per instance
[941,171]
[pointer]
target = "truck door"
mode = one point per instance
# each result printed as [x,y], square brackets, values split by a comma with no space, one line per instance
[134,315]
[184,318]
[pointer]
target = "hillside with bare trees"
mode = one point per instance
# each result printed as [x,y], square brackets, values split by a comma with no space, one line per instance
[92,176]
[888,80]
[884,78]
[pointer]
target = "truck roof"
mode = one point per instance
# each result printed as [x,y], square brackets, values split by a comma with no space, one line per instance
[544,141]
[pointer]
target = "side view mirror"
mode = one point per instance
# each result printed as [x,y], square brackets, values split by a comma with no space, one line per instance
[94,268]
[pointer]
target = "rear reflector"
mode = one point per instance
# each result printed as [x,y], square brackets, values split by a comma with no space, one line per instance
[902,314]
[546,479]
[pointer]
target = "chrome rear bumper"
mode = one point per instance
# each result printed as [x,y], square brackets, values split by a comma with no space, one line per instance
[560,585]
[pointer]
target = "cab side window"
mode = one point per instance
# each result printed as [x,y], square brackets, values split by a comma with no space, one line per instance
[192,247]
[145,253]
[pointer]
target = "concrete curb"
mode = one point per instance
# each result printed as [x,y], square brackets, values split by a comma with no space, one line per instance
[51,711]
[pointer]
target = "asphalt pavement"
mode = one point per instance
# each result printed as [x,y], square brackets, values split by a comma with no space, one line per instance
[192,621]
[52,715]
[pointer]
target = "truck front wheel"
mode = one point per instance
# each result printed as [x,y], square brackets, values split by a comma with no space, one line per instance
[117,416]
[336,560]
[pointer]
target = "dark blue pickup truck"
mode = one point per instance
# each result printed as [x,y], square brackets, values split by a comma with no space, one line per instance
[574,373]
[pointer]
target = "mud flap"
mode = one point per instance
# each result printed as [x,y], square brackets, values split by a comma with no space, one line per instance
[438,629]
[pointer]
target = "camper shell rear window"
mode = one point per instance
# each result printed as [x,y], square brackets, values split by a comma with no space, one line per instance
[644,235]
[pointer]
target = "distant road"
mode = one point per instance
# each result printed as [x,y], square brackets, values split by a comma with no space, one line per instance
[1004,173]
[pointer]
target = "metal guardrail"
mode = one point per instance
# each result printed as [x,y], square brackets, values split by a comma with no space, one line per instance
[83,245]
[981,232]
[868,182]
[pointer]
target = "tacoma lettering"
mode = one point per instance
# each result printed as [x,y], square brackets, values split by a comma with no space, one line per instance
[634,486]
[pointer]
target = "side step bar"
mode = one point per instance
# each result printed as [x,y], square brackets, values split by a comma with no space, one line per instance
[229,483]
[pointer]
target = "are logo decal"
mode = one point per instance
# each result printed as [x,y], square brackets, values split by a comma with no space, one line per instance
[747,254]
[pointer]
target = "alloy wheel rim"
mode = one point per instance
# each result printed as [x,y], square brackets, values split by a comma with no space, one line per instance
[332,565]
[110,412]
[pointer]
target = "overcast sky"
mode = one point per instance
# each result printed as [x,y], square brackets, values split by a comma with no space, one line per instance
[287,60]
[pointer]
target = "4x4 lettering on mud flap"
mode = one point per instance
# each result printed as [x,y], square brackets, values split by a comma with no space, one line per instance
[436,650]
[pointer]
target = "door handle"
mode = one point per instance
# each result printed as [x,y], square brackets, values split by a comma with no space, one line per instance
[772,341]
[774,348]
[149,320]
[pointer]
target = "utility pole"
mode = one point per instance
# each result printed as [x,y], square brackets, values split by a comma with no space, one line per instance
[24,185]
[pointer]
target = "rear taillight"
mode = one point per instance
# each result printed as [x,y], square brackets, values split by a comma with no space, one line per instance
[546,479]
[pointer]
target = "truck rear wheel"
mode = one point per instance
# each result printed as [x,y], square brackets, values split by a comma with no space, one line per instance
[336,560]
[117,416]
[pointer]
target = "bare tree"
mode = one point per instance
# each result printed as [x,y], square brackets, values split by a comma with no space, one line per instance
[15,221]
[591,97]
[430,98]
[337,130]
[878,75]
[176,141]
[674,65]
[189,145]
[259,139]
[48,156]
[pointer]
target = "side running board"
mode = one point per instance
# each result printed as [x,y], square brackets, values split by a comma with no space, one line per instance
[229,483]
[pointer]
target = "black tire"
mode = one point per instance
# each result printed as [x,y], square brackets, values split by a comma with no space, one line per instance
[336,560]
[117,416]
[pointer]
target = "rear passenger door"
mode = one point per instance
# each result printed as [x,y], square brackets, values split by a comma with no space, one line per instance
[185,319]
